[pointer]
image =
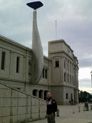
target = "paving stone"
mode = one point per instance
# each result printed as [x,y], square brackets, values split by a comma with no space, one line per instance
[66,115]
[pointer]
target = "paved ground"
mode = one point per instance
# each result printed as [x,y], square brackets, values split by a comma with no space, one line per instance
[71,114]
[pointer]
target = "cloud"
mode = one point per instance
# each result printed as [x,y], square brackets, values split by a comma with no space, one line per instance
[84,80]
[85,62]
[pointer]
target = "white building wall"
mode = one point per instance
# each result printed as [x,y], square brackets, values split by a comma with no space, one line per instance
[12,51]
[55,76]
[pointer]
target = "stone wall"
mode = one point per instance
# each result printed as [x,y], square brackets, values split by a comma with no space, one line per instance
[57,94]
[19,107]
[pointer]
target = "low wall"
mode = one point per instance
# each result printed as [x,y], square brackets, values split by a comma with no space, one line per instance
[19,107]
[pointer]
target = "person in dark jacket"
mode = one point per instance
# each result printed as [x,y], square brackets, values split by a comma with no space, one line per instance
[51,108]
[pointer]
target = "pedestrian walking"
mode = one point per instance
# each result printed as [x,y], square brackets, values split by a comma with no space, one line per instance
[86,106]
[51,108]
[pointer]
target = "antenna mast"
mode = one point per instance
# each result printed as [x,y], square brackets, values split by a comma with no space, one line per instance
[56,29]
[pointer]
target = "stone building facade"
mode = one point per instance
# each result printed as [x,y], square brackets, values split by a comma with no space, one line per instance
[59,76]
[64,79]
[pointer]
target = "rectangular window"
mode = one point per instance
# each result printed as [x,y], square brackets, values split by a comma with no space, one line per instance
[46,74]
[56,63]
[66,95]
[43,72]
[65,77]
[17,64]
[3,61]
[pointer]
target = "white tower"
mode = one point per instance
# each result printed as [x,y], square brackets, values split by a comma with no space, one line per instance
[37,58]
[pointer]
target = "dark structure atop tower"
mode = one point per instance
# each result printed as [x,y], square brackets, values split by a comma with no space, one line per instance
[35,5]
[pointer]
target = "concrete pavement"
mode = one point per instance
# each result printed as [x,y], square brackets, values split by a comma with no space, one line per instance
[71,114]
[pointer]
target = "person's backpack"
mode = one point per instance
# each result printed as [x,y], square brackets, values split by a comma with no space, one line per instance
[54,103]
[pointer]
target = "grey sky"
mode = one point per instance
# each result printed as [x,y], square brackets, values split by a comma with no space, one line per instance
[74,25]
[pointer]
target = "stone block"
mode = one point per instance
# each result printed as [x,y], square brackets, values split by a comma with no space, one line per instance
[28,116]
[1,112]
[42,115]
[29,110]
[15,93]
[6,120]
[14,110]
[22,95]
[42,102]
[6,111]
[35,116]
[1,92]
[22,102]
[22,110]
[35,101]
[2,86]
[1,102]
[6,93]
[29,101]
[42,108]
[35,109]
[21,118]
[7,102]
[14,102]
[1,120]
[14,119]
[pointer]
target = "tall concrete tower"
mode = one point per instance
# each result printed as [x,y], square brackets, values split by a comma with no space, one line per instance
[37,58]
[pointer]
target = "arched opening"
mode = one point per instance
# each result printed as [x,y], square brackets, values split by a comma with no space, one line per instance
[35,92]
[46,73]
[40,94]
[45,93]
[43,72]
[66,95]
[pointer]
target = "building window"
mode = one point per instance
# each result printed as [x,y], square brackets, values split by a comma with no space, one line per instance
[68,65]
[65,77]
[46,73]
[35,92]
[66,95]
[17,64]
[40,94]
[43,72]
[45,93]
[56,63]
[70,78]
[64,64]
[3,61]
[71,96]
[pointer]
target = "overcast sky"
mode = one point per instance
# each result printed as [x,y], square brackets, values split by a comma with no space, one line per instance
[74,25]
